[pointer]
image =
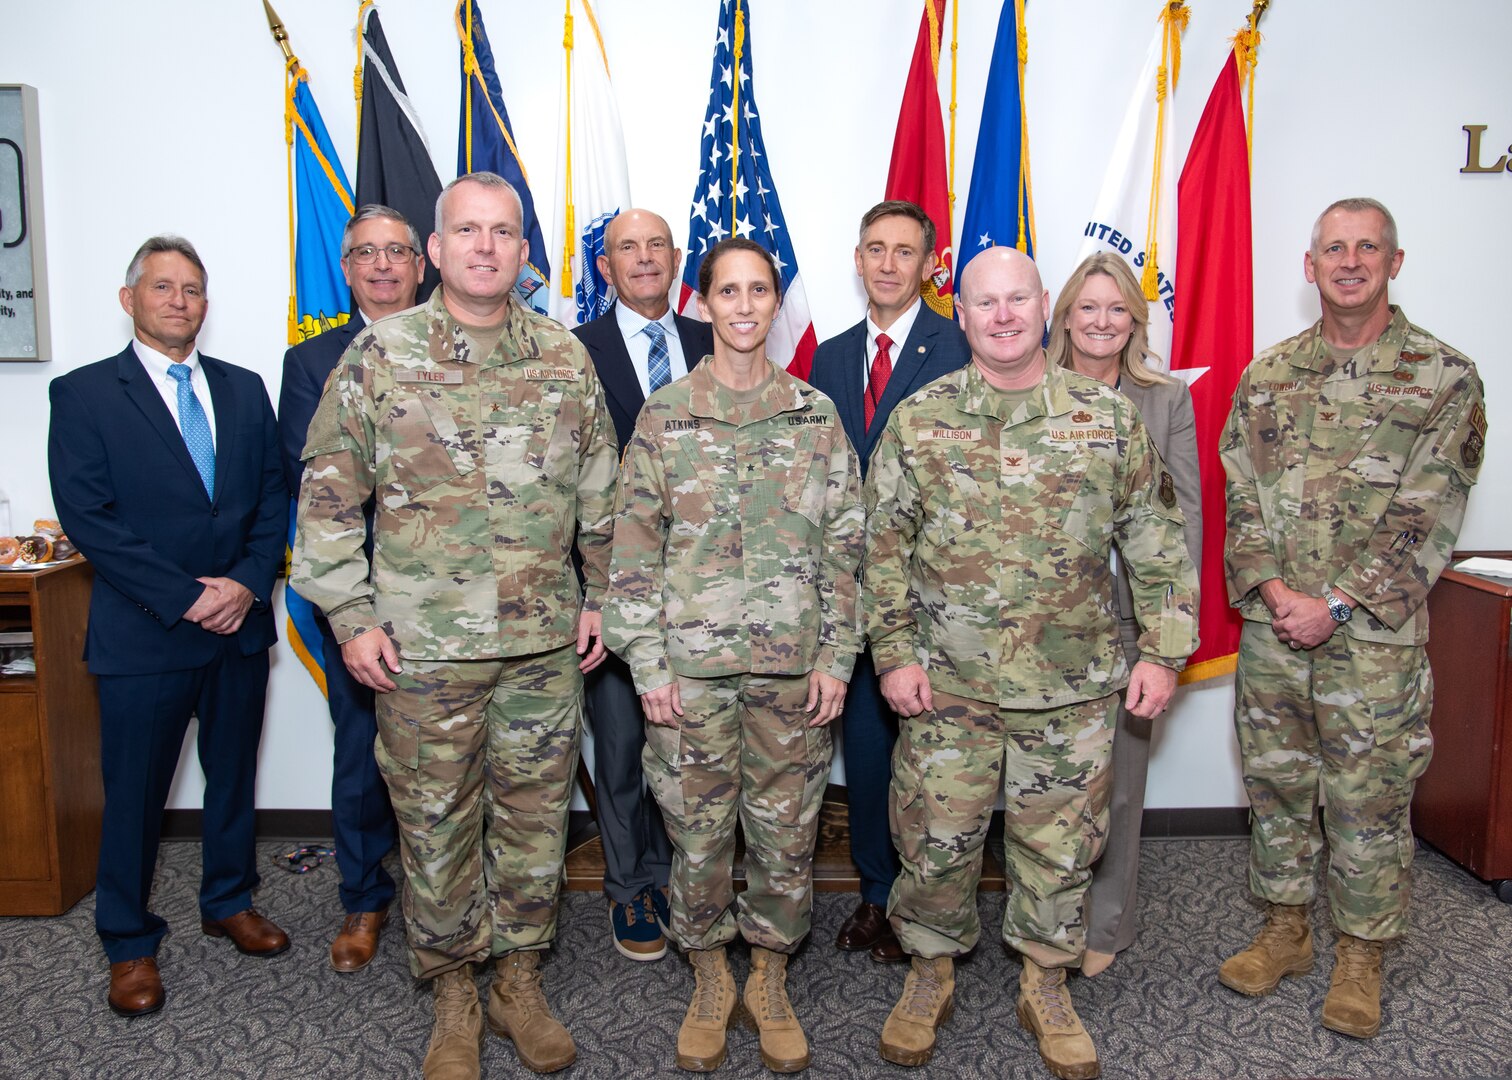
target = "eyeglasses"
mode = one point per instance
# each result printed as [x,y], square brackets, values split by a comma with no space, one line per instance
[367,253]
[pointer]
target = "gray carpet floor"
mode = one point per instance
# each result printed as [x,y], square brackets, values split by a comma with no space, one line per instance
[1158,1012]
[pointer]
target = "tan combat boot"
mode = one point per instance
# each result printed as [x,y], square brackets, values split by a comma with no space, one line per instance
[517,1011]
[1282,947]
[1044,1008]
[1353,1004]
[457,1036]
[908,1037]
[701,1039]
[783,1046]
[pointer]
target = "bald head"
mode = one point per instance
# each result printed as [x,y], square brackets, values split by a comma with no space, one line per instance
[999,258]
[1003,310]
[639,260]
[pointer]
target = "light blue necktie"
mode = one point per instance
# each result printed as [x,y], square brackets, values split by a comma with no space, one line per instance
[661,360]
[195,427]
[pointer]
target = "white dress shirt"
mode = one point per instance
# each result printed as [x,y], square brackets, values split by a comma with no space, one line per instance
[157,365]
[632,328]
[900,329]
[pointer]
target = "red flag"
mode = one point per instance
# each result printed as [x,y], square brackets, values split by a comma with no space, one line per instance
[1214,334]
[917,172]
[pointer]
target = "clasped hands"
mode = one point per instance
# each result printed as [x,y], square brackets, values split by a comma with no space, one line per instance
[222,607]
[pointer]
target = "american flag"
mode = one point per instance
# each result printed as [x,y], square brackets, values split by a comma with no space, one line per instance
[735,193]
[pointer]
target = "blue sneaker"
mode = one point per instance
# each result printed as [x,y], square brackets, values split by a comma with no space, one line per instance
[662,899]
[636,934]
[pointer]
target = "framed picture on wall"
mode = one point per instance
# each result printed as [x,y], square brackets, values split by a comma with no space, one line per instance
[24,327]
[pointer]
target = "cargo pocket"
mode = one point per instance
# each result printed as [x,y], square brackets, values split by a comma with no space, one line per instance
[659,763]
[910,830]
[553,443]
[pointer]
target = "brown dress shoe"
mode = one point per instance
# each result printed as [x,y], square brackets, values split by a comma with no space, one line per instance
[865,926]
[135,987]
[357,942]
[252,934]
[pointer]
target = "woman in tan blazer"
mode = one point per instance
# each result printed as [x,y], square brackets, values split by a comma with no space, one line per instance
[1099,328]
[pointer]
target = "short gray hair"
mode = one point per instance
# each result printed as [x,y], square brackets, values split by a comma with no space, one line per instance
[1358,205]
[368,212]
[487,179]
[156,245]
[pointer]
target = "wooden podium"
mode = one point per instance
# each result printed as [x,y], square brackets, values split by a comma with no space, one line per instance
[50,790]
[1463,804]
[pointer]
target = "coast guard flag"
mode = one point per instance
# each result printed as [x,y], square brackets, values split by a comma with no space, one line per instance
[1000,207]
[593,181]
[1215,331]
[393,161]
[321,298]
[485,143]
[917,171]
[1141,165]
[735,194]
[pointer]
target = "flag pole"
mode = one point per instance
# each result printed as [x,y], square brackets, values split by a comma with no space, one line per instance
[955,12]
[735,121]
[291,65]
[569,232]
[1174,17]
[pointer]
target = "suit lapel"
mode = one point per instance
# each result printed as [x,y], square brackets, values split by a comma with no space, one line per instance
[848,400]
[905,370]
[225,420]
[144,395]
[612,362]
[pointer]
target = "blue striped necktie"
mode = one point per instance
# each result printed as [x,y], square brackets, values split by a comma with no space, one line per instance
[195,427]
[661,360]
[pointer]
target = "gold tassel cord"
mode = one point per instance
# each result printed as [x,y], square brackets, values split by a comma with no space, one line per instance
[569,230]
[1026,189]
[290,67]
[1174,16]
[469,69]
[735,119]
[476,73]
[1247,54]
[955,11]
[362,8]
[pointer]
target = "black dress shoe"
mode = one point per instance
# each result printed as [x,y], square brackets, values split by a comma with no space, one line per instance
[863,928]
[886,949]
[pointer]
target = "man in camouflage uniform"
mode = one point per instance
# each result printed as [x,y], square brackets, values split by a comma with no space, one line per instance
[732,599]
[1350,451]
[481,431]
[992,500]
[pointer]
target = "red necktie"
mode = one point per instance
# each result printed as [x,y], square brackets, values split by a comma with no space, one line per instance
[881,369]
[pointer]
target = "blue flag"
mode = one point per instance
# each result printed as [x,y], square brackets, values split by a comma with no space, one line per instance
[321,298]
[1000,207]
[487,144]
[323,204]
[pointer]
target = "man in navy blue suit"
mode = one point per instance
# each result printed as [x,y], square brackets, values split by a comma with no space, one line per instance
[637,346]
[165,473]
[382,262]
[899,347]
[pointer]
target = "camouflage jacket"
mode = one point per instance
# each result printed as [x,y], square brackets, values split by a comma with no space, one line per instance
[482,469]
[735,539]
[1355,477]
[987,538]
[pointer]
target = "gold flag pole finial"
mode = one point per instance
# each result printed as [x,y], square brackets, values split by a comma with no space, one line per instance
[280,35]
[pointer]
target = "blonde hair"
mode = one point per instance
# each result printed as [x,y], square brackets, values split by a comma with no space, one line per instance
[1132,363]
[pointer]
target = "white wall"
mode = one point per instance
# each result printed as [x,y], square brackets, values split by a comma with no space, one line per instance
[167,115]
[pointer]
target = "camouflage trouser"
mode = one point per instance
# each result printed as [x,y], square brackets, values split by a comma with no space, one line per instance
[479,757]
[744,748]
[1353,715]
[1054,768]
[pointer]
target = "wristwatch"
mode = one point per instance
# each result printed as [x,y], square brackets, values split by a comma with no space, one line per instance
[1338,610]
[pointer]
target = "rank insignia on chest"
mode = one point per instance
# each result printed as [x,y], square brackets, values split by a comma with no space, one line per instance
[551,374]
[1167,490]
[1328,417]
[451,377]
[1015,463]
